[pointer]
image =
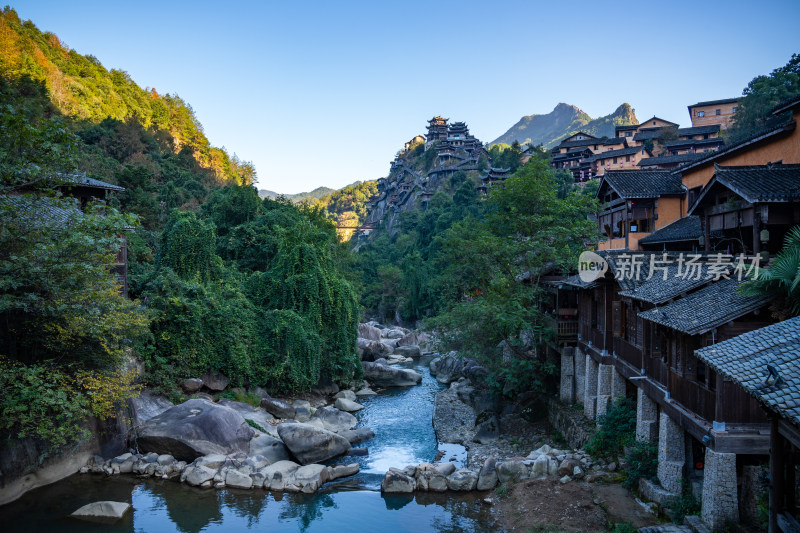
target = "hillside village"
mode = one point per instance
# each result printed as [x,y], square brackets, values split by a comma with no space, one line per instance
[684,220]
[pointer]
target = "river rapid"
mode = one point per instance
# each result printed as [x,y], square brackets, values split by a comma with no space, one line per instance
[402,422]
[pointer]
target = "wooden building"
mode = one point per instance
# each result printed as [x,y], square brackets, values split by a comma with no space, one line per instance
[437,129]
[635,203]
[718,112]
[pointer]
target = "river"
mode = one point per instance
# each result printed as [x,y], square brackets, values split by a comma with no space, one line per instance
[401,420]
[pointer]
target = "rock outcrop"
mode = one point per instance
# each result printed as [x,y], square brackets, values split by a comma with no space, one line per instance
[310,444]
[381,375]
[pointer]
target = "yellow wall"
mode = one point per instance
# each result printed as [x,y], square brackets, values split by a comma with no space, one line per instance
[669,210]
[711,117]
[786,149]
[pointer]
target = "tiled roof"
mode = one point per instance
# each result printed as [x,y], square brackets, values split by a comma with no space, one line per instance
[762,183]
[616,153]
[669,159]
[576,281]
[39,210]
[714,102]
[661,288]
[695,142]
[648,134]
[82,180]
[614,140]
[643,183]
[700,130]
[707,308]
[786,105]
[585,142]
[744,359]
[683,229]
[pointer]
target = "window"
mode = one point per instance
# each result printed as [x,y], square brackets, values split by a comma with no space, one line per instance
[654,123]
[701,113]
[627,134]
[719,111]
[628,158]
[734,109]
[615,160]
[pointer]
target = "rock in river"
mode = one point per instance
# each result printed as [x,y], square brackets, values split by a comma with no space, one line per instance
[350,406]
[278,408]
[102,511]
[386,376]
[310,444]
[195,428]
[334,419]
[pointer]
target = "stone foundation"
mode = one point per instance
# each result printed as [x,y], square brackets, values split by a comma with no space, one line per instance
[646,418]
[590,389]
[580,375]
[567,389]
[671,454]
[570,422]
[617,384]
[720,499]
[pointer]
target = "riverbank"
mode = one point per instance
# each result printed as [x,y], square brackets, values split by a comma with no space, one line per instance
[586,499]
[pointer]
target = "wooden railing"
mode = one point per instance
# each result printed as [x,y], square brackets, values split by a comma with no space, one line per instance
[693,396]
[656,369]
[628,352]
[565,330]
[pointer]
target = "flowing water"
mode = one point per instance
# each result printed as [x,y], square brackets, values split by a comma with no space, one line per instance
[401,420]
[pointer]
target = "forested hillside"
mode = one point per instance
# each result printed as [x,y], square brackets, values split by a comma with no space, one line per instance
[220,280]
[563,121]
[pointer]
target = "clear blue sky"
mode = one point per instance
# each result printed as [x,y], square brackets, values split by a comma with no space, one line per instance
[325,93]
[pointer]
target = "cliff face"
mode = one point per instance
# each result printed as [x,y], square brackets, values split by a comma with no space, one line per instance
[564,120]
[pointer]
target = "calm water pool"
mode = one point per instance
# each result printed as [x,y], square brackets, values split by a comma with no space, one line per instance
[401,420]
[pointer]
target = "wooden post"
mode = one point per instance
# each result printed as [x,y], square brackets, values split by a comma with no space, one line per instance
[627,225]
[756,232]
[706,233]
[776,475]
[791,493]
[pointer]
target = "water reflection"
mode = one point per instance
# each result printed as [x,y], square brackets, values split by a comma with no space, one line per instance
[401,420]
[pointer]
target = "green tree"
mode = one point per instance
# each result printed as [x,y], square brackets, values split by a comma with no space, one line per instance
[782,279]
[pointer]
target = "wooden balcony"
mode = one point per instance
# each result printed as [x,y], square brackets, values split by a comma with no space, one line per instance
[628,352]
[566,330]
[695,397]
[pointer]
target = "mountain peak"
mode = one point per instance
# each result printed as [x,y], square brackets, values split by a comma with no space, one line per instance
[562,121]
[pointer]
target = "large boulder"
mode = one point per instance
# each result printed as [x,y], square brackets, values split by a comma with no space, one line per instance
[195,428]
[372,350]
[395,333]
[366,331]
[238,480]
[310,477]
[447,368]
[512,471]
[347,395]
[386,376]
[357,435]
[334,419]
[487,479]
[214,381]
[396,481]
[272,449]
[343,404]
[277,476]
[408,351]
[277,408]
[487,431]
[408,340]
[462,480]
[147,405]
[105,511]
[192,384]
[310,444]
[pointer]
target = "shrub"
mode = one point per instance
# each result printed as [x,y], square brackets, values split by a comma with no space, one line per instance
[641,462]
[684,505]
[617,430]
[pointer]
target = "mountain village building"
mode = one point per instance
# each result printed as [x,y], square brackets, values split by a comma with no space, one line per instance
[719,112]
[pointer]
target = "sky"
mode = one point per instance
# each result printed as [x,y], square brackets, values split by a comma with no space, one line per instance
[325,93]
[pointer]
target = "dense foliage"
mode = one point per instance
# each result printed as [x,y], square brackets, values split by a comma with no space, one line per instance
[617,430]
[781,280]
[761,95]
[467,262]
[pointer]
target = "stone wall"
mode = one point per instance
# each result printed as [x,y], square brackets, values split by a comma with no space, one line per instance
[570,422]
[720,498]
[671,454]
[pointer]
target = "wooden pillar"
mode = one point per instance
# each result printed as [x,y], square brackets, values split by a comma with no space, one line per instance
[706,234]
[719,398]
[756,231]
[791,493]
[776,475]
[627,225]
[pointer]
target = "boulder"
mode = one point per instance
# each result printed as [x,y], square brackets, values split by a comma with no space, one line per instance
[512,471]
[385,376]
[310,477]
[410,339]
[408,351]
[355,436]
[350,406]
[395,481]
[447,368]
[277,408]
[444,468]
[195,428]
[487,431]
[198,475]
[238,480]
[372,350]
[567,467]
[462,480]
[487,479]
[214,381]
[334,419]
[346,394]
[366,331]
[277,476]
[310,444]
[337,471]
[430,479]
[394,333]
[147,405]
[325,387]
[366,391]
[302,414]
[105,511]
[272,449]
[192,384]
